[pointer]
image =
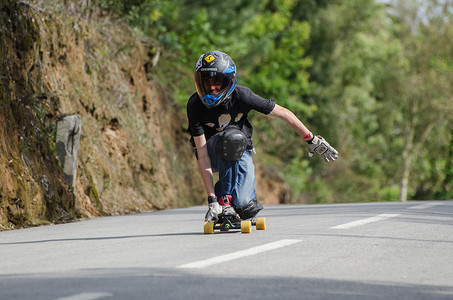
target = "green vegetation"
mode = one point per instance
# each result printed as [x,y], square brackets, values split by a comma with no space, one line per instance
[373,78]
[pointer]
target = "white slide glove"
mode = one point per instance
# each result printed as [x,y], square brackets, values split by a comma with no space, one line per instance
[213,211]
[322,148]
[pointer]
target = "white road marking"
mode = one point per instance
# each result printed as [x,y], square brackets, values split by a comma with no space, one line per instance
[425,205]
[86,296]
[239,254]
[365,221]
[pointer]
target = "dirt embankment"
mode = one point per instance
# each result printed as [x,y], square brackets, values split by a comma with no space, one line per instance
[133,154]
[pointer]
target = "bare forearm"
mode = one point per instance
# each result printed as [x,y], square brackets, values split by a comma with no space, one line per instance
[204,164]
[316,144]
[296,124]
[290,119]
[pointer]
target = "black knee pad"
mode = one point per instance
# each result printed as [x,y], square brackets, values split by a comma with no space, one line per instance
[250,210]
[232,143]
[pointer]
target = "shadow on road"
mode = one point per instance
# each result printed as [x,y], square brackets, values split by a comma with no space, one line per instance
[148,283]
[104,238]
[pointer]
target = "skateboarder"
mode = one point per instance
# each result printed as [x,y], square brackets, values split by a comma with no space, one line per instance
[221,134]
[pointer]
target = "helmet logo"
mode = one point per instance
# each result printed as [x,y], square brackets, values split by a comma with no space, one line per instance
[209,58]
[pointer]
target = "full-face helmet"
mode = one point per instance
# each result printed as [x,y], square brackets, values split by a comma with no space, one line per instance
[215,78]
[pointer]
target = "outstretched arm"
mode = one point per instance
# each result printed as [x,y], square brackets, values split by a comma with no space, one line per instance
[316,143]
[290,118]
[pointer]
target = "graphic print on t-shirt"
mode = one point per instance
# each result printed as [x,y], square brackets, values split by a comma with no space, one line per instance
[224,121]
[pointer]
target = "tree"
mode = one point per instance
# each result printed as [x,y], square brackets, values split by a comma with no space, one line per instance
[425,100]
[354,58]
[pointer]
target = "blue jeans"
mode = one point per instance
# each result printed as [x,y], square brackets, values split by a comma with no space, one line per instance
[235,178]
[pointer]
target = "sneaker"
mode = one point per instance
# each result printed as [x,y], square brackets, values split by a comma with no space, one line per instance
[225,202]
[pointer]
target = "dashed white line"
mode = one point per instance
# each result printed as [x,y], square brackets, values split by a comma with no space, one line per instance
[86,296]
[239,254]
[425,205]
[365,221]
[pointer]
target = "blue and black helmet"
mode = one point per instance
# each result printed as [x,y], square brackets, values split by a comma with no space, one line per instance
[215,78]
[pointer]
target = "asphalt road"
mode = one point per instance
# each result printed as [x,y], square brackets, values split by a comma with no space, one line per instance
[341,251]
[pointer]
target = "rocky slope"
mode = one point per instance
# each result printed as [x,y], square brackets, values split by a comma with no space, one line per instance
[133,156]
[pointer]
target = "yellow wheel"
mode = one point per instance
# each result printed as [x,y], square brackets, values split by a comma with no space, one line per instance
[208,227]
[261,223]
[246,226]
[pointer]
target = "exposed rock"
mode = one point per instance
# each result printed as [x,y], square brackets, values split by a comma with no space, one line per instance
[67,145]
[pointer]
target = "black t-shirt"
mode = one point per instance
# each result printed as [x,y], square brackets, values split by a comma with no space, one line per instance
[209,121]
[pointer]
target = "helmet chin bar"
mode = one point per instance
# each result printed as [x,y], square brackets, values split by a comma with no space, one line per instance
[208,101]
[211,101]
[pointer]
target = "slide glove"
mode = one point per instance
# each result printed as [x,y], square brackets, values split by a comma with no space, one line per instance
[213,211]
[322,148]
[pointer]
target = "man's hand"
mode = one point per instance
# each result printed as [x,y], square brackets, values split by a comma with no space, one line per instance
[322,148]
[213,211]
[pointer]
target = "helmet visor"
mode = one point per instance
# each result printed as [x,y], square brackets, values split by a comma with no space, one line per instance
[213,83]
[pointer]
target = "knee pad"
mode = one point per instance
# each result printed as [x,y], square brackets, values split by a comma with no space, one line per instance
[232,143]
[250,210]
